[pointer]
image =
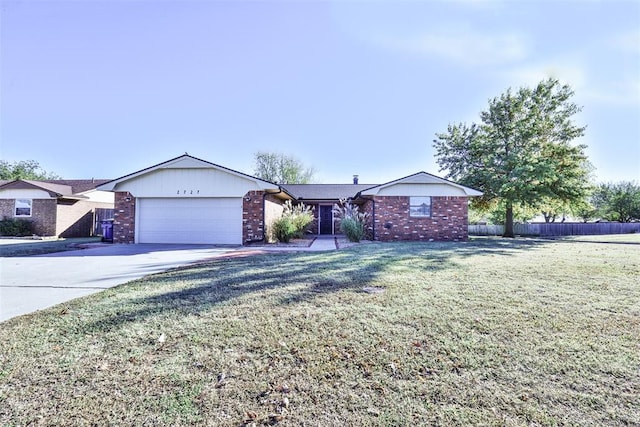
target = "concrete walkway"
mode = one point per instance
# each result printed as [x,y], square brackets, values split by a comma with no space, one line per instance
[323,243]
[320,243]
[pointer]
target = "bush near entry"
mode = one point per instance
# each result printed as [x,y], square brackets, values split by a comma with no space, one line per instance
[293,223]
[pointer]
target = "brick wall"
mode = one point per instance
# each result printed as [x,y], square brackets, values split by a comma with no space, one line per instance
[43,214]
[124,217]
[252,216]
[448,219]
[6,208]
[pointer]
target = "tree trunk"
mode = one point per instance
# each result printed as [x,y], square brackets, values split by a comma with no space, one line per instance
[508,223]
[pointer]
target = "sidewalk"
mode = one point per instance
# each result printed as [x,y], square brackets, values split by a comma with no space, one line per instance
[320,243]
[323,243]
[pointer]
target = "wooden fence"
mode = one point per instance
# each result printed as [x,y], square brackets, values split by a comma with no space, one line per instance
[101,215]
[545,229]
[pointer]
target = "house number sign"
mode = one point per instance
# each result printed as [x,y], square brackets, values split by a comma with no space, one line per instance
[185,192]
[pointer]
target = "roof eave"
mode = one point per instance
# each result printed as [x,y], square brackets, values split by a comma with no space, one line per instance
[468,191]
[111,185]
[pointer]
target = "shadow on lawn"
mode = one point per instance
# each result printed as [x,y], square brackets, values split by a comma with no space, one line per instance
[298,277]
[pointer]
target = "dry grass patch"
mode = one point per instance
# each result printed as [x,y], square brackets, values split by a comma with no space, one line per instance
[491,331]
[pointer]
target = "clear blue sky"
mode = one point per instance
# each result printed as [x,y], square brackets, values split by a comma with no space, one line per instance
[102,89]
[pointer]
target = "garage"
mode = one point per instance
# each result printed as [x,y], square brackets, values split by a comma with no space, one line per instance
[187,200]
[190,220]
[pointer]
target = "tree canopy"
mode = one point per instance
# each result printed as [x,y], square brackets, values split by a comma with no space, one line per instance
[617,201]
[24,169]
[281,169]
[520,154]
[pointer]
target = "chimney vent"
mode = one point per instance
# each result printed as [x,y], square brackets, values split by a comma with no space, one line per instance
[355,179]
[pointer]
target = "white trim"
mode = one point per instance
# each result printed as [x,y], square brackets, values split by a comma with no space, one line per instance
[136,228]
[15,208]
[415,205]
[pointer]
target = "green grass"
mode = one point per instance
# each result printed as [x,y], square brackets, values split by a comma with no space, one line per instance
[38,247]
[487,332]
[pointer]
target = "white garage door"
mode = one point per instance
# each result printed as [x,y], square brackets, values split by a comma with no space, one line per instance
[202,220]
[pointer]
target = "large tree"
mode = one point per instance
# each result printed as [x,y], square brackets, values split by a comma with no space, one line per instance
[618,201]
[24,169]
[521,152]
[281,169]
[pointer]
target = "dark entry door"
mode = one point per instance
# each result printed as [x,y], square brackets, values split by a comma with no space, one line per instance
[326,220]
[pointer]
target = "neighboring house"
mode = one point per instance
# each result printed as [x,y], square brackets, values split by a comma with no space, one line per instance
[189,200]
[63,208]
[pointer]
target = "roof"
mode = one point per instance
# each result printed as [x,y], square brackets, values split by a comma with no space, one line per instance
[420,178]
[344,191]
[110,185]
[51,187]
[55,187]
[78,185]
[324,191]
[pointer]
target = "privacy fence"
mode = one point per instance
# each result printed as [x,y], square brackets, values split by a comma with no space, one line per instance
[558,229]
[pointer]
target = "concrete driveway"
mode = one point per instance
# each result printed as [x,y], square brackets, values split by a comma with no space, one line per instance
[28,284]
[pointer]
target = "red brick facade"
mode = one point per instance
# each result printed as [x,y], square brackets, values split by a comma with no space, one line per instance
[258,211]
[253,217]
[124,218]
[448,220]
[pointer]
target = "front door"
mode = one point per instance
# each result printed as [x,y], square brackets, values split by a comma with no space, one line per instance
[326,219]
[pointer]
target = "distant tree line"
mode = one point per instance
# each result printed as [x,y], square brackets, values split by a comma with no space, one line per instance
[618,201]
[613,201]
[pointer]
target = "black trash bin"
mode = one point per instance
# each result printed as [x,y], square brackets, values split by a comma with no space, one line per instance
[107,230]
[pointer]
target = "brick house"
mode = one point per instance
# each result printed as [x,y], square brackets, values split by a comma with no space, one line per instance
[189,200]
[419,207]
[62,208]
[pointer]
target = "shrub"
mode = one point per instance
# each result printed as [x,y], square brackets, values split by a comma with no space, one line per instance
[353,229]
[301,216]
[17,227]
[293,223]
[283,229]
[352,222]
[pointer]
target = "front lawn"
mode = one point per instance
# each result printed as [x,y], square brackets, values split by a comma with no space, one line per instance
[490,332]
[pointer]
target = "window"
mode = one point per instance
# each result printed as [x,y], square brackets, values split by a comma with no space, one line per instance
[23,207]
[420,206]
